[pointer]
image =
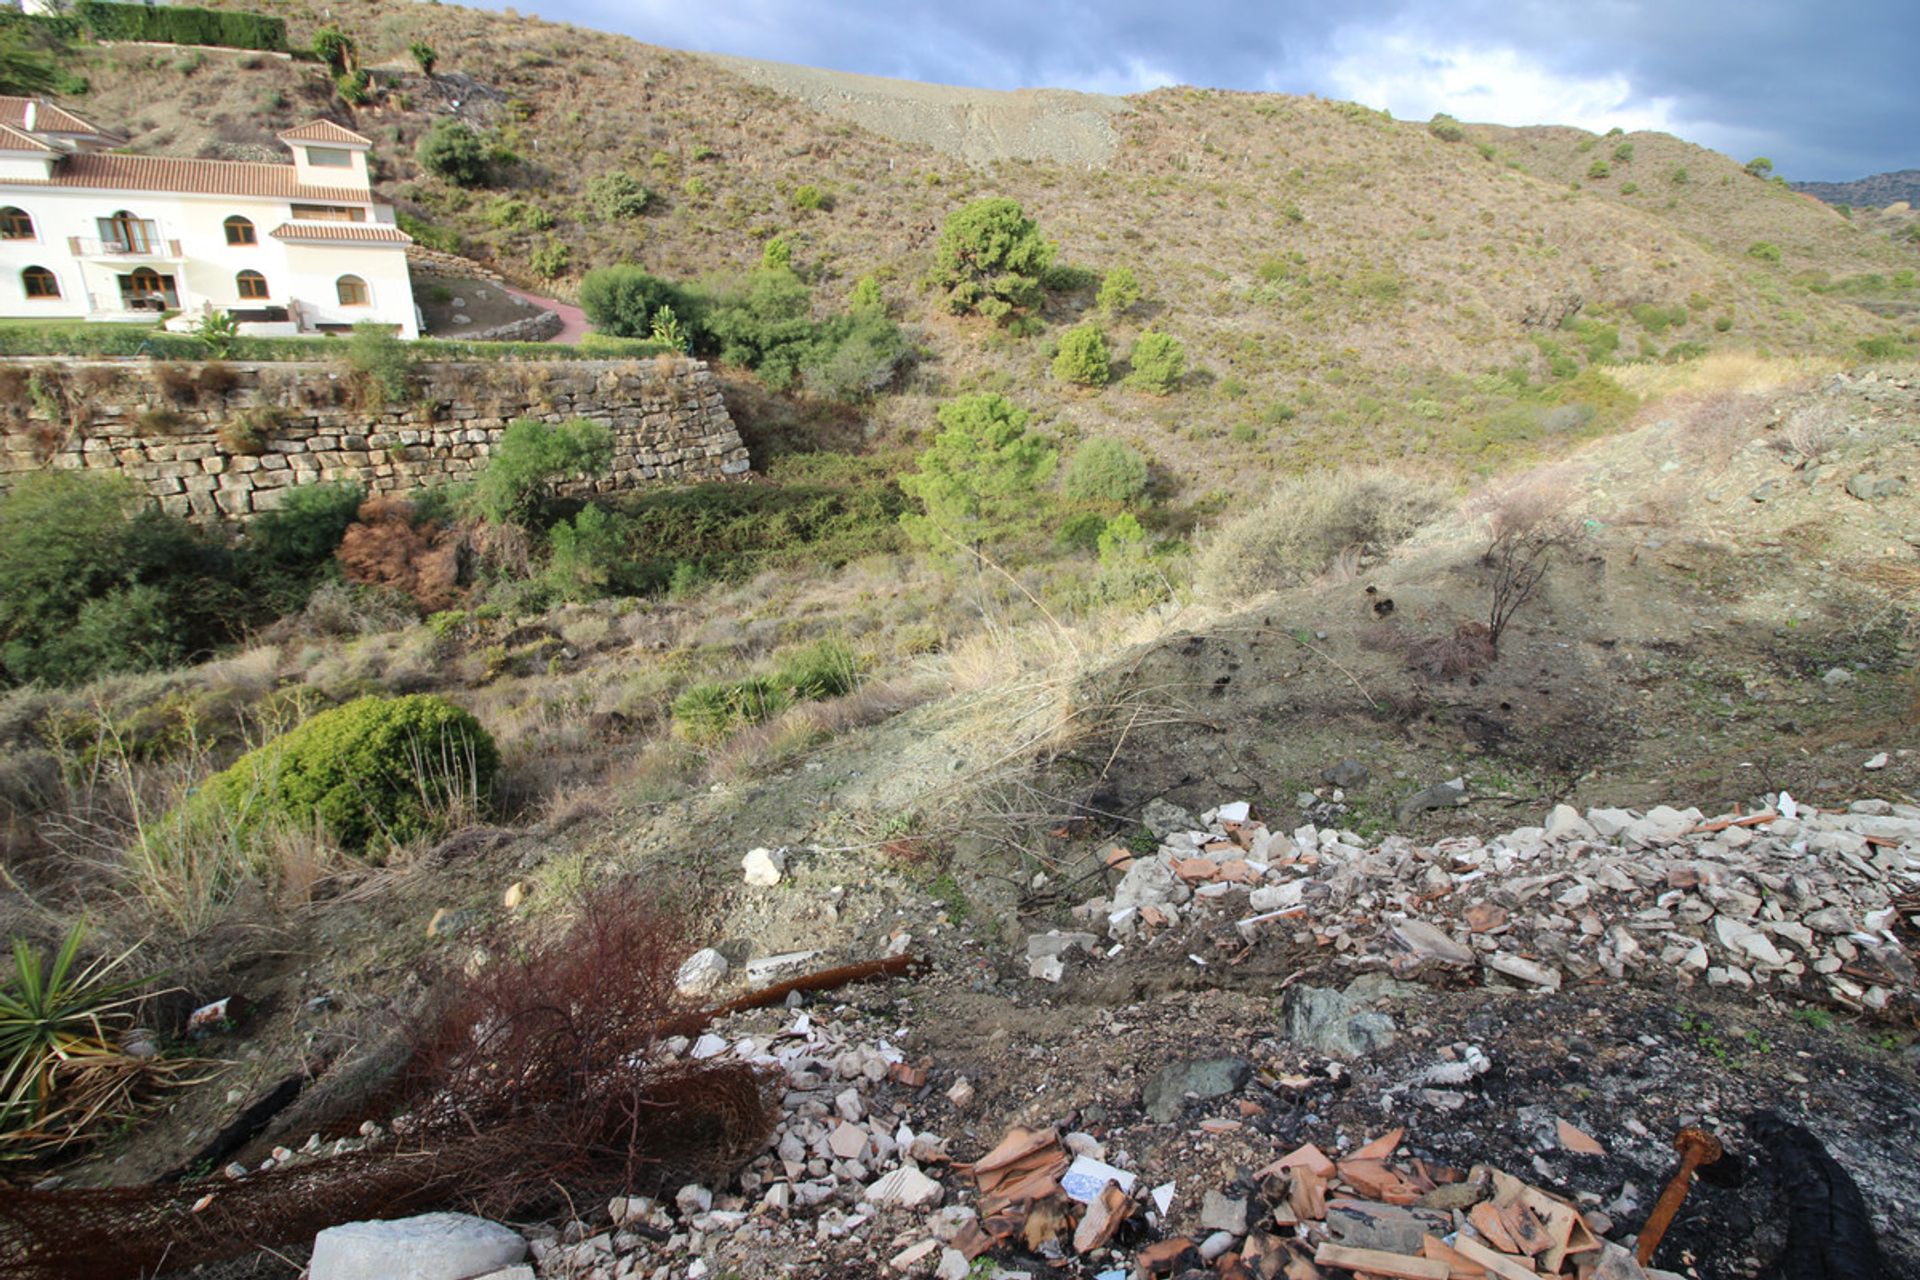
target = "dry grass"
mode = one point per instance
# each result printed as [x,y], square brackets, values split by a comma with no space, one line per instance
[1305,525]
[1738,372]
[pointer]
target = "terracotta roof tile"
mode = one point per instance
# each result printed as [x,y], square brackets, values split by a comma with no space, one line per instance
[191,177]
[324,131]
[48,118]
[12,139]
[342,232]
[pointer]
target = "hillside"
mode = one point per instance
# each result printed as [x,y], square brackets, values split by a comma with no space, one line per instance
[1348,287]
[1902,186]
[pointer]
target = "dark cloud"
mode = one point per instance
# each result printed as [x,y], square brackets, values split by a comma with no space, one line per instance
[1828,91]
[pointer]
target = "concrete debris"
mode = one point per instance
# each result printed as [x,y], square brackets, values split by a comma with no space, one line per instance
[701,974]
[764,867]
[1781,900]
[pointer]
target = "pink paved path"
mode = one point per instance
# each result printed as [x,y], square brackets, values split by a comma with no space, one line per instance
[573,321]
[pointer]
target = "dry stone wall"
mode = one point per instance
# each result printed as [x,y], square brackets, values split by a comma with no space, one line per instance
[221,441]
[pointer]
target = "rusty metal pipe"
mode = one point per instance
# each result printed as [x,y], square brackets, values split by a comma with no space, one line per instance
[1696,1147]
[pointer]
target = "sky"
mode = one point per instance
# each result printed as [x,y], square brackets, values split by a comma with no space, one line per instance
[1828,91]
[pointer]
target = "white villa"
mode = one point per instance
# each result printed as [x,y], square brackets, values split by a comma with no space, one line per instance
[284,248]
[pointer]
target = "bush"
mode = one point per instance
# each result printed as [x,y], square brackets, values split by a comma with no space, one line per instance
[622,300]
[980,475]
[618,197]
[1083,356]
[1598,169]
[762,321]
[1759,166]
[373,774]
[552,259]
[1119,292]
[1445,128]
[1306,523]
[990,258]
[1104,470]
[453,151]
[708,712]
[514,214]
[423,56]
[856,357]
[530,460]
[808,198]
[227,28]
[92,579]
[381,360]
[1764,251]
[354,87]
[1158,362]
[305,530]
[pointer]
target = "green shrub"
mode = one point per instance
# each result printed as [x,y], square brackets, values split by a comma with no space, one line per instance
[708,712]
[1656,320]
[621,300]
[1306,522]
[228,28]
[1886,346]
[1120,292]
[302,533]
[979,476]
[1446,128]
[618,197]
[866,297]
[777,253]
[855,357]
[583,554]
[335,48]
[1104,470]
[445,239]
[1158,362]
[1081,532]
[93,579]
[374,774]
[807,198]
[355,87]
[1623,154]
[1721,324]
[453,151]
[377,355]
[990,259]
[423,56]
[551,259]
[514,214]
[1764,251]
[530,460]
[1083,356]
[1759,166]
[1679,178]
[763,321]
[1598,169]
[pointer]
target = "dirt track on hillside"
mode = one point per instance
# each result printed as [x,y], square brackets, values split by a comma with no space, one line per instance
[979,126]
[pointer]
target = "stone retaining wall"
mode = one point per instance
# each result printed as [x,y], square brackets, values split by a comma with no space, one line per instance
[220,441]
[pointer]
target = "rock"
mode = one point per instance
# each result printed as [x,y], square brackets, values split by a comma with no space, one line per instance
[519,1271]
[1219,1212]
[1833,679]
[1046,968]
[1215,1245]
[701,973]
[515,895]
[961,1094]
[764,866]
[448,922]
[1334,1024]
[1525,970]
[1441,795]
[906,1188]
[1830,920]
[1565,823]
[433,1246]
[692,1199]
[1277,897]
[953,1265]
[1164,818]
[1608,823]
[1348,774]
[1425,942]
[1876,761]
[1165,1095]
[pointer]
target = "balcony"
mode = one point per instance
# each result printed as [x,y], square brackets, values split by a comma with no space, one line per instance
[135,246]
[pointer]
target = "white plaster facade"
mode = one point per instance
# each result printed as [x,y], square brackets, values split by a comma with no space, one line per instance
[86,233]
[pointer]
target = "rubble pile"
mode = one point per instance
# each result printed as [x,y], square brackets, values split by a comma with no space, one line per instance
[1787,899]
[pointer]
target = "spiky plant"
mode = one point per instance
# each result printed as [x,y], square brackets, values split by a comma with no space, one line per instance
[60,1069]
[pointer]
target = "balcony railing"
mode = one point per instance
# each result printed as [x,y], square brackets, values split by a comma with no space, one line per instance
[134,246]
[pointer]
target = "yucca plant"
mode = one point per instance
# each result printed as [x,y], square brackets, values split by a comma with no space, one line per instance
[60,1070]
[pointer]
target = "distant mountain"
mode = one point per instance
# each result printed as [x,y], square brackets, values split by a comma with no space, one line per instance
[1876,192]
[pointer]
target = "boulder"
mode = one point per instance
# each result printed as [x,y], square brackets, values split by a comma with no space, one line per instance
[1335,1024]
[763,867]
[1166,1093]
[433,1246]
[1441,795]
[701,973]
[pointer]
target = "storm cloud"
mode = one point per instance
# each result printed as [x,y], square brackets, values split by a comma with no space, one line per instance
[1828,91]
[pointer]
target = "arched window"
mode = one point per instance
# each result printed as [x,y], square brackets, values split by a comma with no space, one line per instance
[240,231]
[15,224]
[251,284]
[40,283]
[145,282]
[352,291]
